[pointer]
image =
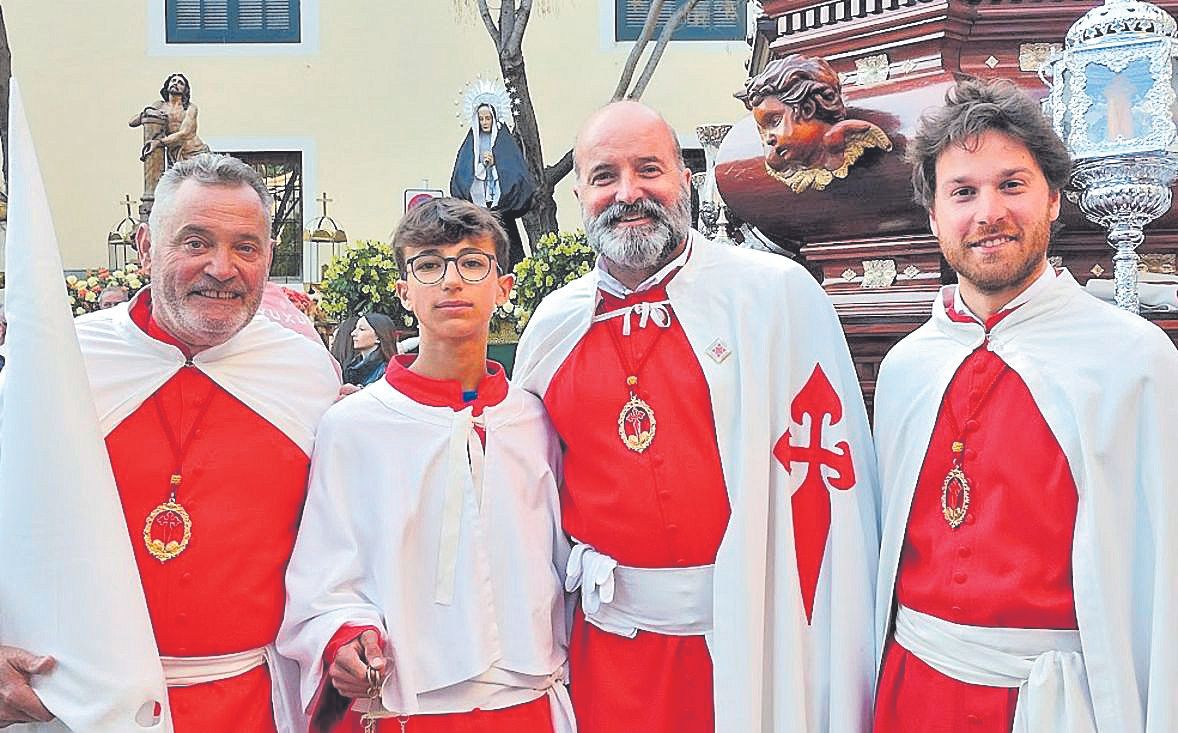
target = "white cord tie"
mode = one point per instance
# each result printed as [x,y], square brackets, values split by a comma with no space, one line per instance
[655,312]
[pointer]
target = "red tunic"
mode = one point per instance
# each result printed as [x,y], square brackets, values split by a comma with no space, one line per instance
[1008,565]
[243,485]
[530,717]
[666,507]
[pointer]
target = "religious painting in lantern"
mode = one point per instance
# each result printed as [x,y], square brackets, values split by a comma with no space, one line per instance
[1118,96]
[808,140]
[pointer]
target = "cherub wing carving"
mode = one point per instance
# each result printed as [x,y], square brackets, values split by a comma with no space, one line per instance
[855,137]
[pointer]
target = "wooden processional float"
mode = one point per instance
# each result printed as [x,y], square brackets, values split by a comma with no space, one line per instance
[817,167]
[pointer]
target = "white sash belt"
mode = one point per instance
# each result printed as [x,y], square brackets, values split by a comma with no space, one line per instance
[623,600]
[1046,665]
[189,671]
[554,687]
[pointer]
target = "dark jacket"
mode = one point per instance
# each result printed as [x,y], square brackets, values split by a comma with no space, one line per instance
[364,370]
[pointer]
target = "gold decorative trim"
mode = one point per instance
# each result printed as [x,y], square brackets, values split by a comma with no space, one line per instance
[819,178]
[158,548]
[1032,55]
[1159,264]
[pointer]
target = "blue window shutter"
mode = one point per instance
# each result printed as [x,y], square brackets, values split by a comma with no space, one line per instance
[710,20]
[232,21]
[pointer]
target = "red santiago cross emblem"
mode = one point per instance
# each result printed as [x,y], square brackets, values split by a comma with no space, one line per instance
[811,502]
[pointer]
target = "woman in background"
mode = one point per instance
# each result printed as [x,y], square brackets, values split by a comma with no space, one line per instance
[375,342]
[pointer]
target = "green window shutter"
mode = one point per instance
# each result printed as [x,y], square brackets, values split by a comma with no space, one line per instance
[232,21]
[710,20]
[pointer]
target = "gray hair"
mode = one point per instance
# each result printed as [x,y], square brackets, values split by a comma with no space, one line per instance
[973,107]
[209,169]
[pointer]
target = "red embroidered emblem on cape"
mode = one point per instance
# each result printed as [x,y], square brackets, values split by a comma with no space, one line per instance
[816,401]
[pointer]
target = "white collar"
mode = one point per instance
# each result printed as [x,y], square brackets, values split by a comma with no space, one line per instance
[1040,284]
[611,285]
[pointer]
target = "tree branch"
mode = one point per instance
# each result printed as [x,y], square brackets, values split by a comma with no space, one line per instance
[556,172]
[673,24]
[489,22]
[631,64]
[516,42]
[506,24]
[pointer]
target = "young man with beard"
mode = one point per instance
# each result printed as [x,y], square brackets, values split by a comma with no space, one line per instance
[719,482]
[1029,567]
[209,414]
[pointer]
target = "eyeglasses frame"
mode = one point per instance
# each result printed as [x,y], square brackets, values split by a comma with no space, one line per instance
[446,265]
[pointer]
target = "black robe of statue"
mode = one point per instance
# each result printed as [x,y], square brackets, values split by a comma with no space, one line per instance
[515,184]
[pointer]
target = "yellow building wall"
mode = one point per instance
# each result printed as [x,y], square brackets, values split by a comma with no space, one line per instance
[369,96]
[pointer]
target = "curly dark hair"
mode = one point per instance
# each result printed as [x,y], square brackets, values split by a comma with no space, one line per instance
[446,220]
[186,97]
[809,86]
[972,107]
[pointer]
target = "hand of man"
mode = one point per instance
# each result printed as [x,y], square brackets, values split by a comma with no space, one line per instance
[18,702]
[345,390]
[349,671]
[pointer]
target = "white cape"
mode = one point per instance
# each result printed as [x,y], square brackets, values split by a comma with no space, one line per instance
[68,583]
[278,373]
[368,549]
[772,671]
[1106,382]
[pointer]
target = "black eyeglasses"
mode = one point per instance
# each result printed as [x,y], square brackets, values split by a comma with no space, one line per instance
[430,269]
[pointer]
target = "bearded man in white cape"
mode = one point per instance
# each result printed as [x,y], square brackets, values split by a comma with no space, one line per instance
[719,480]
[1029,567]
[209,415]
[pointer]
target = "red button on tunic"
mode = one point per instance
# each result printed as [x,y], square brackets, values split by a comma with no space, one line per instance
[243,484]
[665,507]
[1008,565]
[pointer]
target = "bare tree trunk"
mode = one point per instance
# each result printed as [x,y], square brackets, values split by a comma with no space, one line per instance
[507,35]
[541,218]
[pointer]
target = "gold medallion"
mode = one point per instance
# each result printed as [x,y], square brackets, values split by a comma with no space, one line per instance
[167,530]
[955,497]
[636,424]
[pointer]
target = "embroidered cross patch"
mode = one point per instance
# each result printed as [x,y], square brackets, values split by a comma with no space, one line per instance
[719,351]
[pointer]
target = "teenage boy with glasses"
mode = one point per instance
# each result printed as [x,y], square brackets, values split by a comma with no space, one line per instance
[427,578]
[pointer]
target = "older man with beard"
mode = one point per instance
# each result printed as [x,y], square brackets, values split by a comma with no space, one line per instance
[209,414]
[718,475]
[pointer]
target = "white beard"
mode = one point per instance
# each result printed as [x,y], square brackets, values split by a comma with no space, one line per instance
[639,247]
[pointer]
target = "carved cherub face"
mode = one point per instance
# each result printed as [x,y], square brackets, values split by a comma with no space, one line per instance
[790,143]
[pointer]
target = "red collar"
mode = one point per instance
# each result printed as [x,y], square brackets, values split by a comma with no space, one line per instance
[958,317]
[492,388]
[141,316]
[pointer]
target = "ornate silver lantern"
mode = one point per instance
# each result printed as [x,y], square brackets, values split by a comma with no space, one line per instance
[1112,102]
[711,206]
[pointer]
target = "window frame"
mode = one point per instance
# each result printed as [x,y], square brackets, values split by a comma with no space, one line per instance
[623,33]
[178,36]
[159,46]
